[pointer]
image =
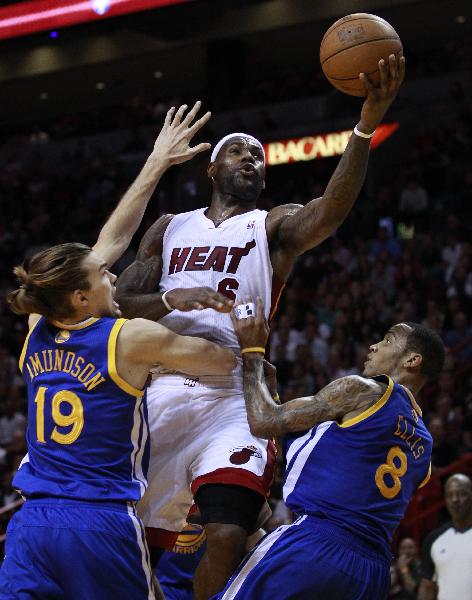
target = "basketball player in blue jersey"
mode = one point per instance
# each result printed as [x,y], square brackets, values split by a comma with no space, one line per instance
[356,452]
[77,535]
[202,259]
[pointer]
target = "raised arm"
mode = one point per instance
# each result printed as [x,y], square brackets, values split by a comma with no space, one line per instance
[143,344]
[266,418]
[293,232]
[171,148]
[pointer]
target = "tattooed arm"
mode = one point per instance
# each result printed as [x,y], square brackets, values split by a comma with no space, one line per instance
[137,286]
[292,229]
[342,398]
[339,398]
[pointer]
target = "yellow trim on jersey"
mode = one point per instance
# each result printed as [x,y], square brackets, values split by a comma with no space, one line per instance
[25,345]
[372,409]
[413,401]
[121,383]
[426,479]
[75,326]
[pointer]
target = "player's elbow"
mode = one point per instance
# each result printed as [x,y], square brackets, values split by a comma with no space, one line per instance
[259,429]
[227,360]
[219,360]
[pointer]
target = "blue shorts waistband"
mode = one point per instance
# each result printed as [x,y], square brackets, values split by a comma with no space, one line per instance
[121,505]
[352,540]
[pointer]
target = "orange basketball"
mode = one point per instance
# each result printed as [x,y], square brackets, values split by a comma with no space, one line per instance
[354,45]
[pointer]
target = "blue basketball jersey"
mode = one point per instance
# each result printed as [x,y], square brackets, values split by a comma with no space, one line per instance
[87,434]
[360,475]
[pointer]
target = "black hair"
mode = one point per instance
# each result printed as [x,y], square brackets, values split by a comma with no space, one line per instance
[428,343]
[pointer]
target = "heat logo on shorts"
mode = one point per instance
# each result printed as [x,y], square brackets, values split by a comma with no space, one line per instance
[242,454]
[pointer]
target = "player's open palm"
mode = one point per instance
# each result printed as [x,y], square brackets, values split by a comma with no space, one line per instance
[380,97]
[173,142]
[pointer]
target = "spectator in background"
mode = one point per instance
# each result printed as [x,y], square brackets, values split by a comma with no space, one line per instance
[385,246]
[443,452]
[451,255]
[408,566]
[446,560]
[13,422]
[413,199]
[9,494]
[459,338]
[397,591]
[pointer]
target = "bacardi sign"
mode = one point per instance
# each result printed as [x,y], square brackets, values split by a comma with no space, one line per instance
[321,145]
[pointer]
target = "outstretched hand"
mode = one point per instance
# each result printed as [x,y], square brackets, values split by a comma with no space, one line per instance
[172,145]
[198,298]
[251,331]
[380,97]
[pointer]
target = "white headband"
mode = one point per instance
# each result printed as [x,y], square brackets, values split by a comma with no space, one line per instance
[246,136]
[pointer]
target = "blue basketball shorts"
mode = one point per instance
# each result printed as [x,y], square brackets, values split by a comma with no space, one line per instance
[58,549]
[310,560]
[175,572]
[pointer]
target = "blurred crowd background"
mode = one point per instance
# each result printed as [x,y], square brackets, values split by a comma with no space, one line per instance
[404,253]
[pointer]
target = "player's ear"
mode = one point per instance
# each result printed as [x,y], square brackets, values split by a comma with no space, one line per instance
[211,170]
[79,299]
[413,360]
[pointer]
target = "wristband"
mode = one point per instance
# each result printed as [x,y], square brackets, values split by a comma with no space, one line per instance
[363,135]
[253,349]
[165,302]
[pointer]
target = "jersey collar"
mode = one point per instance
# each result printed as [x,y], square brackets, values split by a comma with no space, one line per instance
[74,326]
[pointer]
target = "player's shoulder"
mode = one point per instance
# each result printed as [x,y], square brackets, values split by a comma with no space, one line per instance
[357,383]
[151,243]
[284,210]
[276,216]
[139,326]
[139,333]
[160,225]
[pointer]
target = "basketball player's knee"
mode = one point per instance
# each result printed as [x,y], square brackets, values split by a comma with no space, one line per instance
[226,504]
[225,543]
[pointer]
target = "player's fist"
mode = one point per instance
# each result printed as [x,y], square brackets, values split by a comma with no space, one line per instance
[198,298]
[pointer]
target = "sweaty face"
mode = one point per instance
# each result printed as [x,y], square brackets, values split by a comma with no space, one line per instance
[102,288]
[239,169]
[458,497]
[385,356]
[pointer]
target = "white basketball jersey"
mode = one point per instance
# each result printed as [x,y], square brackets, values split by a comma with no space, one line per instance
[232,258]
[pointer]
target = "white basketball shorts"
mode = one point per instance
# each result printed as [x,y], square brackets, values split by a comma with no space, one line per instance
[199,434]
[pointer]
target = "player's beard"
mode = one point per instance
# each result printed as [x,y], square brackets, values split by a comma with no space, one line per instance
[245,189]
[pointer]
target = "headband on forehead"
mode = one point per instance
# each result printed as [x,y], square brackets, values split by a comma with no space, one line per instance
[230,136]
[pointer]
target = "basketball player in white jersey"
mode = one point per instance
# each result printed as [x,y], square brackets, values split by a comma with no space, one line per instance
[199,260]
